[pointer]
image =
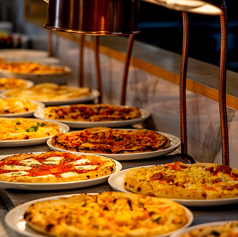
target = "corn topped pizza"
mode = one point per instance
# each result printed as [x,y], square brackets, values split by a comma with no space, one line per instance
[24,129]
[112,214]
[54,167]
[183,181]
[91,113]
[10,83]
[16,105]
[111,141]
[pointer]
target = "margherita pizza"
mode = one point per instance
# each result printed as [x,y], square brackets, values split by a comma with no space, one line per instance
[182,181]
[54,167]
[112,214]
[92,113]
[228,229]
[49,92]
[111,141]
[24,129]
[16,105]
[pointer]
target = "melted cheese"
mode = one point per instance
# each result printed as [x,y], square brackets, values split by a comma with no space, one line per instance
[80,162]
[86,167]
[30,161]
[69,174]
[53,160]
[17,173]
[15,167]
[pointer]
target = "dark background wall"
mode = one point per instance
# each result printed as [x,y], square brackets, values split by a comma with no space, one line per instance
[163,27]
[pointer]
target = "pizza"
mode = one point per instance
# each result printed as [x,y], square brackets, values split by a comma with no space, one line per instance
[30,67]
[227,229]
[54,167]
[24,129]
[106,214]
[183,181]
[16,105]
[91,113]
[111,141]
[49,92]
[10,83]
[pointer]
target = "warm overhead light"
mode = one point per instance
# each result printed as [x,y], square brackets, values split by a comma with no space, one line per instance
[207,7]
[93,17]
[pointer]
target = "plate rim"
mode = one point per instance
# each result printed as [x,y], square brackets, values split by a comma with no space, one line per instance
[87,124]
[185,202]
[132,156]
[19,210]
[38,186]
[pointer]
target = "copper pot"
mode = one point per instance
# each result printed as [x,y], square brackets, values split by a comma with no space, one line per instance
[97,17]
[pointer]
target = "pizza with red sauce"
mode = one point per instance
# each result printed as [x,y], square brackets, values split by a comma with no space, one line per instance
[54,167]
[111,141]
[91,113]
[184,181]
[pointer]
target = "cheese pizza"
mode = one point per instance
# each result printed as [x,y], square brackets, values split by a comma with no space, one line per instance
[24,129]
[54,167]
[227,229]
[10,83]
[112,214]
[183,181]
[30,67]
[111,141]
[92,113]
[16,105]
[49,92]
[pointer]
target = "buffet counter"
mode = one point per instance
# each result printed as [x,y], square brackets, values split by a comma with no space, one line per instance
[12,198]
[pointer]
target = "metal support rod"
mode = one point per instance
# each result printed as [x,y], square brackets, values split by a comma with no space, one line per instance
[50,50]
[182,85]
[99,81]
[81,46]
[222,85]
[126,68]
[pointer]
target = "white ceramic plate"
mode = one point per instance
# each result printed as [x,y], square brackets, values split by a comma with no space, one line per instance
[116,183]
[29,84]
[14,218]
[81,124]
[179,233]
[56,186]
[94,94]
[25,114]
[31,142]
[175,143]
